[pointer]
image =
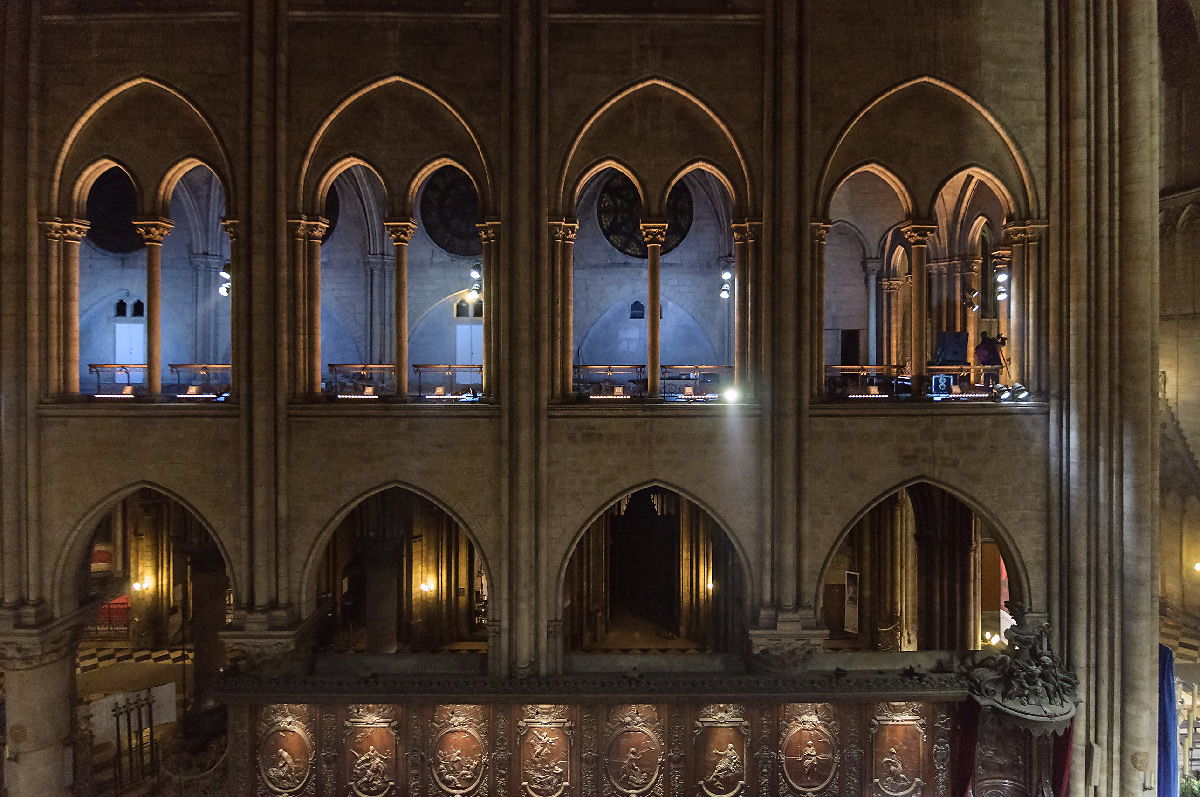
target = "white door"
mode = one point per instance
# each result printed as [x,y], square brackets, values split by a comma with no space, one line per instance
[130,348]
[468,350]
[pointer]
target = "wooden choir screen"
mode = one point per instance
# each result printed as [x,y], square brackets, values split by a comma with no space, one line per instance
[889,749]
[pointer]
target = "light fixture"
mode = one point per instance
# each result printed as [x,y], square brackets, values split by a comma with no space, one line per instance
[1001,276]
[724,293]
[727,275]
[1198,565]
[473,294]
[1020,391]
[732,394]
[474,273]
[427,586]
[1001,294]
[1006,393]
[137,585]
[710,586]
[224,275]
[224,289]
[971,305]
[972,294]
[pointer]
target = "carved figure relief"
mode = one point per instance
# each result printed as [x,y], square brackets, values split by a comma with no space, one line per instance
[545,750]
[721,738]
[458,752]
[898,743]
[371,746]
[809,754]
[635,751]
[286,753]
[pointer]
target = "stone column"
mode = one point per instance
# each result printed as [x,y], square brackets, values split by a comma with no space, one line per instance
[52,236]
[1016,310]
[209,584]
[401,233]
[971,285]
[567,232]
[917,236]
[816,323]
[236,298]
[381,556]
[873,267]
[741,308]
[204,342]
[39,674]
[1001,263]
[316,229]
[153,231]
[489,234]
[298,339]
[655,235]
[892,319]
[72,236]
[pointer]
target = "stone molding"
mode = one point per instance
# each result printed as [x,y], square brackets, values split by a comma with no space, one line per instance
[153,231]
[28,648]
[401,232]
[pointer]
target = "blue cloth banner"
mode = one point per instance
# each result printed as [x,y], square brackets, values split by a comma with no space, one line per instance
[1168,725]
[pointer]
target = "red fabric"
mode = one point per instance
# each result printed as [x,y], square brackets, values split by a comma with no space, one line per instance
[1060,775]
[966,739]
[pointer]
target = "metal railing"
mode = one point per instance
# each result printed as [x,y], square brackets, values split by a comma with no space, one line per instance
[433,380]
[451,384]
[116,369]
[966,382]
[362,379]
[676,382]
[214,377]
[694,382]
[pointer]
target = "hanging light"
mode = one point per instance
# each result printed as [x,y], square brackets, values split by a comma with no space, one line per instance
[727,275]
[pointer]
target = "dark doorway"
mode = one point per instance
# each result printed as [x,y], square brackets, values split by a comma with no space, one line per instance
[644,551]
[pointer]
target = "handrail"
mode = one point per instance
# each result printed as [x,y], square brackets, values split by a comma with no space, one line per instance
[205,370]
[99,369]
[449,373]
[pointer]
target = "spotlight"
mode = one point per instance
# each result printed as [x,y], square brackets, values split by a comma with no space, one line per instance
[724,294]
[224,289]
[1001,276]
[224,275]
[971,305]
[1020,392]
[473,294]
[727,275]
[1198,565]
[973,294]
[474,273]
[732,395]
[1006,393]
[710,586]
[1001,295]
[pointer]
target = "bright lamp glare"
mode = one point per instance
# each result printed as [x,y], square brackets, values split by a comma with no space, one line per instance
[474,273]
[1002,294]
[224,274]
[726,275]
[724,294]
[1001,276]
[732,395]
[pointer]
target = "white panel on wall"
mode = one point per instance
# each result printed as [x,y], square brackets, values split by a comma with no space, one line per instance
[129,347]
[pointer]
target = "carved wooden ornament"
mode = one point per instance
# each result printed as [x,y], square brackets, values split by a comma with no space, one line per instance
[635,753]
[286,753]
[810,753]
[457,751]
[721,737]
[545,747]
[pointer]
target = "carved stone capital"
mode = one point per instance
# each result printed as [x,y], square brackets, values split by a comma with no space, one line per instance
[919,234]
[891,284]
[489,232]
[402,231]
[741,233]
[73,231]
[314,229]
[231,229]
[873,266]
[654,233]
[153,231]
[820,230]
[27,648]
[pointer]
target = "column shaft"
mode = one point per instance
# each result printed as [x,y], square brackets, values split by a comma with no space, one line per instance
[1016,310]
[312,300]
[52,364]
[401,232]
[741,308]
[72,237]
[39,724]
[918,237]
[567,318]
[153,232]
[655,235]
[820,231]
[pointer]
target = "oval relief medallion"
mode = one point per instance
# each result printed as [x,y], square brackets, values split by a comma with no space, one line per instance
[285,760]
[458,759]
[809,758]
[634,756]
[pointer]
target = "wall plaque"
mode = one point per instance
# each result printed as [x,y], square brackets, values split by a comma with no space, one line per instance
[897,750]
[809,752]
[286,753]
[370,743]
[458,750]
[634,755]
[545,746]
[721,736]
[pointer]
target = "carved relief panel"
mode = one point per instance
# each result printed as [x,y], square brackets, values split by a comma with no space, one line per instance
[721,740]
[544,734]
[634,752]
[457,753]
[898,741]
[370,744]
[286,751]
[810,751]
